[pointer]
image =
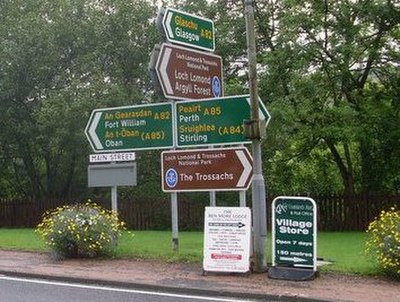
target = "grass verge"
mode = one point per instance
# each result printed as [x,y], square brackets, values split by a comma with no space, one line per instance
[344,250]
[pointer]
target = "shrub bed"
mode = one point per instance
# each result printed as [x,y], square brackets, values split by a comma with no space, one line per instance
[81,231]
[384,241]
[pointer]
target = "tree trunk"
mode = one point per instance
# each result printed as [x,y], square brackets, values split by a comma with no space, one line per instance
[345,166]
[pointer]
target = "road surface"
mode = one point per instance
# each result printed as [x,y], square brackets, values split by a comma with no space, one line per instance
[37,290]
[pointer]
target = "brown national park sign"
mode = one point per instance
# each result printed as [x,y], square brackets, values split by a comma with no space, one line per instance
[206,169]
[188,74]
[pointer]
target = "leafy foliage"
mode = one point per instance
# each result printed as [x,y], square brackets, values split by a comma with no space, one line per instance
[321,58]
[384,241]
[82,230]
[59,60]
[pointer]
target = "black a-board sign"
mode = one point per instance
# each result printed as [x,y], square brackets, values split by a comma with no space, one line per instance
[294,238]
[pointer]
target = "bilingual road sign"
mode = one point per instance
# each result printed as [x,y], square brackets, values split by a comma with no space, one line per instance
[214,121]
[294,232]
[130,128]
[188,74]
[206,169]
[189,30]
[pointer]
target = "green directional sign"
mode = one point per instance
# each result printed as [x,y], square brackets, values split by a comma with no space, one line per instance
[189,30]
[217,121]
[294,232]
[131,128]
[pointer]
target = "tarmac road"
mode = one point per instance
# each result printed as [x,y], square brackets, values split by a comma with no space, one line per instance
[18,289]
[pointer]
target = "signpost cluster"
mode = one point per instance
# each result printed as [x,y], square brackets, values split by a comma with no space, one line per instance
[196,114]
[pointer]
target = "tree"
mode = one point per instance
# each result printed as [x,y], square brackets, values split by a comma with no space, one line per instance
[59,60]
[317,60]
[321,57]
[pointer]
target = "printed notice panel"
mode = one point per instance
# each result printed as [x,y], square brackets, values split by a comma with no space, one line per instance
[227,239]
[294,232]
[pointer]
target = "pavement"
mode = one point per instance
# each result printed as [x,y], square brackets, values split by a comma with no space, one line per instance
[189,278]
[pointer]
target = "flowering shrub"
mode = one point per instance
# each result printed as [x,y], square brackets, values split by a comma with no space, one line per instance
[82,230]
[384,241]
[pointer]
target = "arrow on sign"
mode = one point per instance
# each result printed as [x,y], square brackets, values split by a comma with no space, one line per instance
[293,259]
[247,168]
[227,224]
[168,26]
[164,72]
[92,131]
[262,111]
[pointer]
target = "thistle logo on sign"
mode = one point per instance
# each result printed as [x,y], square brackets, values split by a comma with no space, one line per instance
[280,208]
[216,87]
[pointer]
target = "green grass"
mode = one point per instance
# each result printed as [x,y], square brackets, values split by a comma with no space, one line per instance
[21,239]
[158,244]
[344,250]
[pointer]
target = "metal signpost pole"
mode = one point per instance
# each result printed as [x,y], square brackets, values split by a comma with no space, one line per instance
[258,187]
[114,204]
[242,198]
[242,195]
[114,196]
[174,218]
[174,208]
[212,194]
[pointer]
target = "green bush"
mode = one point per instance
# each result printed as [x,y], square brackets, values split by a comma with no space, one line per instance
[384,241]
[81,231]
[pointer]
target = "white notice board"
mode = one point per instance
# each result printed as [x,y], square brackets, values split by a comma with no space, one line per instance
[227,232]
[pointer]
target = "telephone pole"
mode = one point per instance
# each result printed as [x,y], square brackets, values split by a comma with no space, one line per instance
[254,130]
